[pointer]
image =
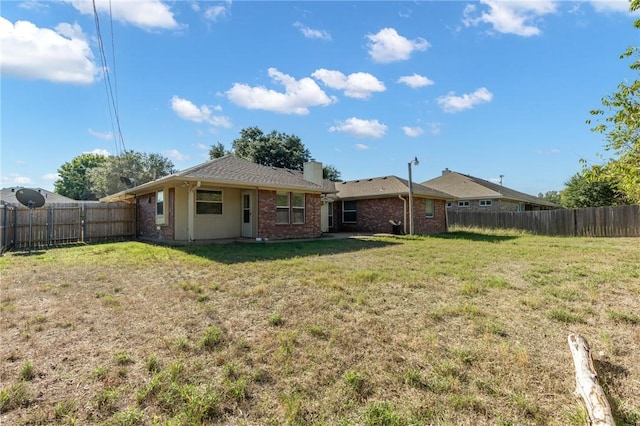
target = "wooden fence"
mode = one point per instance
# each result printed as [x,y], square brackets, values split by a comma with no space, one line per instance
[69,223]
[619,221]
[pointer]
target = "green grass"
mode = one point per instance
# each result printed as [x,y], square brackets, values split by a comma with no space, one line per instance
[463,328]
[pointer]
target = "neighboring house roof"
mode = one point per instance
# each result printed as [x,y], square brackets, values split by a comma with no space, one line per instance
[8,196]
[233,171]
[384,187]
[465,187]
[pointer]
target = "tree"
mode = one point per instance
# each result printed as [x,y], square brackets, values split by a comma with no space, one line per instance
[551,196]
[331,173]
[582,191]
[622,130]
[138,167]
[74,180]
[217,151]
[275,149]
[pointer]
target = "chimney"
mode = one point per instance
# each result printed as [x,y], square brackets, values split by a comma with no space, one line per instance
[312,172]
[445,171]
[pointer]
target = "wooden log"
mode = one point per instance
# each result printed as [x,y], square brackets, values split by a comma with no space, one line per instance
[587,385]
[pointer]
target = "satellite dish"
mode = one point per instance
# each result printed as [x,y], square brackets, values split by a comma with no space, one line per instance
[30,198]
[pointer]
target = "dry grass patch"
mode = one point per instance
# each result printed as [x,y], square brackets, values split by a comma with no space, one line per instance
[465,328]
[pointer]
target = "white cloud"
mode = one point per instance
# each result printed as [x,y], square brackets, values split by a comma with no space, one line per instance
[60,56]
[415,81]
[311,33]
[361,147]
[146,14]
[99,151]
[189,111]
[510,17]
[201,146]
[388,46]
[14,179]
[605,6]
[298,96]
[413,131]
[174,154]
[359,85]
[50,176]
[434,128]
[212,13]
[452,103]
[106,136]
[360,128]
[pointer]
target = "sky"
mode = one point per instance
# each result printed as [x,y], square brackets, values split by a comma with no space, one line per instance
[487,88]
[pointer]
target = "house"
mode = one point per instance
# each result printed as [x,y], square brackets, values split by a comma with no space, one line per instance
[371,205]
[230,197]
[475,194]
[8,196]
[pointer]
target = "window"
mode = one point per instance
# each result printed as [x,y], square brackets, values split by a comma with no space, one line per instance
[463,204]
[297,207]
[485,203]
[349,212]
[282,207]
[208,202]
[428,211]
[449,204]
[160,207]
[330,214]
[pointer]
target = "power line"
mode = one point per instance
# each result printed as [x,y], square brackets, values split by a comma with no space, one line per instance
[111,101]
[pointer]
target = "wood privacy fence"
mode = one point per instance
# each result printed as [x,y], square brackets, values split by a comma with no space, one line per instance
[619,221]
[65,223]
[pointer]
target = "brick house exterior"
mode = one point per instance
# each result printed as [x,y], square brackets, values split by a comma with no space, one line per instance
[470,193]
[268,228]
[230,197]
[374,214]
[374,202]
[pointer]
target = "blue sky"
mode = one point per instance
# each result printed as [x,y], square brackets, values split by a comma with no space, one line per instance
[485,88]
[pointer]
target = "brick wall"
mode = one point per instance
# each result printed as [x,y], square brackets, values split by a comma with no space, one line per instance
[373,216]
[268,228]
[147,227]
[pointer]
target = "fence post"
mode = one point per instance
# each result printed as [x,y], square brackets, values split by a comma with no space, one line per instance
[83,222]
[49,225]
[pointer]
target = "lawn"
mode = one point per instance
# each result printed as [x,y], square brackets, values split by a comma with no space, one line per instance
[468,328]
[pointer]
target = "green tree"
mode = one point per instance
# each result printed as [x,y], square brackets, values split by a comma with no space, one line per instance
[619,121]
[74,180]
[274,149]
[138,167]
[551,196]
[582,191]
[331,173]
[217,151]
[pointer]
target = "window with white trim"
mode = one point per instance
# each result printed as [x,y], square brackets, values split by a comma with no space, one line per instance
[485,203]
[330,214]
[160,207]
[463,204]
[449,204]
[428,210]
[297,207]
[349,212]
[208,201]
[282,207]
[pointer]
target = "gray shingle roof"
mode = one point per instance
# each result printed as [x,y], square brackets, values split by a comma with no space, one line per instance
[384,187]
[235,171]
[462,186]
[8,196]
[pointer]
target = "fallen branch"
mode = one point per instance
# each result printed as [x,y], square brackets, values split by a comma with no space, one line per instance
[587,385]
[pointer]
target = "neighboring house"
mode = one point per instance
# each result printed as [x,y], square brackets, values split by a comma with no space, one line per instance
[369,205]
[230,197]
[474,194]
[8,196]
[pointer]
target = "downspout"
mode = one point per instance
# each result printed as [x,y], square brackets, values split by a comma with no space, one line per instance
[404,215]
[191,210]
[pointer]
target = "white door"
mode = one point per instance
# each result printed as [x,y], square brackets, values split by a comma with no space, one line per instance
[247,226]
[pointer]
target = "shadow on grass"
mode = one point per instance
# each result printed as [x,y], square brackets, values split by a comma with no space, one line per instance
[609,375]
[474,236]
[243,252]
